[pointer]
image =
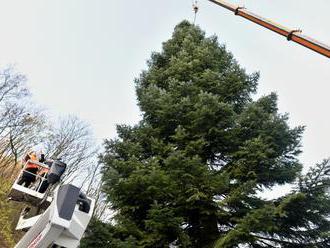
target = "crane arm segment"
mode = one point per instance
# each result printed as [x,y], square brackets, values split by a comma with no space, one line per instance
[294,35]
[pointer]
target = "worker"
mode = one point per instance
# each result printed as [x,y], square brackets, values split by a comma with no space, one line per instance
[30,169]
[43,173]
[42,158]
[52,174]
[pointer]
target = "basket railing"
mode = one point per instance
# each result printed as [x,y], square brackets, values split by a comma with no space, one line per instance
[42,177]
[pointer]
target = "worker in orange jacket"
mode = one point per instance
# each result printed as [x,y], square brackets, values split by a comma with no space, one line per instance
[30,170]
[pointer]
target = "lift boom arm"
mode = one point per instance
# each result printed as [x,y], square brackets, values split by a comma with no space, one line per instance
[62,224]
[294,35]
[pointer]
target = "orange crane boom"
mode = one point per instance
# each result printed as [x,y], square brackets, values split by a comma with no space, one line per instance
[294,35]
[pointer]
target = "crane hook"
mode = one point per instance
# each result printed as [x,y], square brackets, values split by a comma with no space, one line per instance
[195,9]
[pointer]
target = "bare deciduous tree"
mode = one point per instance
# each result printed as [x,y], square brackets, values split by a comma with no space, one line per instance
[12,85]
[72,141]
[102,208]
[20,133]
[19,121]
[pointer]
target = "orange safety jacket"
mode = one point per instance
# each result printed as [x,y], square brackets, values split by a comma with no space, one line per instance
[31,165]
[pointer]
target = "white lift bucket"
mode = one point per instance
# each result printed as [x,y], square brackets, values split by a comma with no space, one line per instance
[30,195]
[62,224]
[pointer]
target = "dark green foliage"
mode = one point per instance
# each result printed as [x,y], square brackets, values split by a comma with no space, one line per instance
[189,173]
[107,236]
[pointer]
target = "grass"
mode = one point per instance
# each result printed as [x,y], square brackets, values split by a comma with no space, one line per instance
[9,213]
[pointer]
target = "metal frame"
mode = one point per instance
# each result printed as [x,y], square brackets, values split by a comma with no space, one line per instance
[30,195]
[40,165]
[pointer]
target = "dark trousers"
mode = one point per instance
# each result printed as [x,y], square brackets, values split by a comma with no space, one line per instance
[28,178]
[43,185]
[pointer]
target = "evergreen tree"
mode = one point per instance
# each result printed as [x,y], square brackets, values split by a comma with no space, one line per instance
[190,173]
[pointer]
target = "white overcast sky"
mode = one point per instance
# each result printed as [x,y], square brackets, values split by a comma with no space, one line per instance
[81,56]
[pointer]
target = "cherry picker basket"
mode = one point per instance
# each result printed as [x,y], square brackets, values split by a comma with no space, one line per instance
[33,194]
